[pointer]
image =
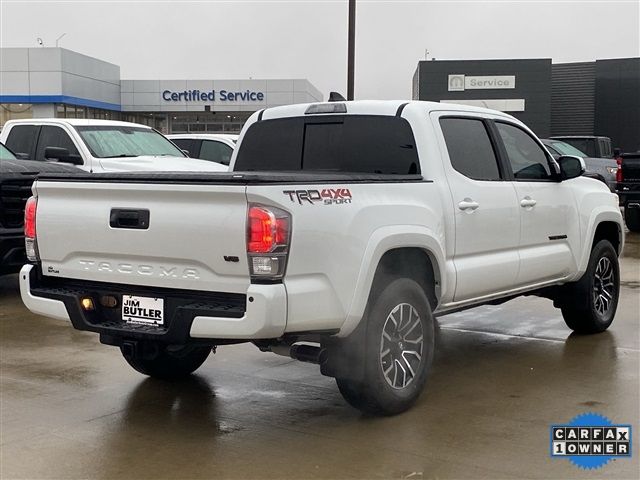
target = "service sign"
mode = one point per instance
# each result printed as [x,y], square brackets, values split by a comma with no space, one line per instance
[460,82]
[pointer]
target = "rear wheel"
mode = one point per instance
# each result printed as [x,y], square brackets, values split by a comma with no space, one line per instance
[166,361]
[590,303]
[632,218]
[398,352]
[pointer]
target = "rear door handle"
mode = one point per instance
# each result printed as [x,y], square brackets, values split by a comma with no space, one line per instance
[527,202]
[468,205]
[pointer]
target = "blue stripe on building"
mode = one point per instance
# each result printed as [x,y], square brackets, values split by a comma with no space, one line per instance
[66,99]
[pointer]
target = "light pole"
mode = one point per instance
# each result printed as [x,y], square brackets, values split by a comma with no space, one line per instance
[351,49]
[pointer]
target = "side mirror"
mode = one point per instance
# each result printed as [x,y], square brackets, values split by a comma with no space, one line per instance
[570,167]
[22,156]
[61,155]
[186,152]
[56,153]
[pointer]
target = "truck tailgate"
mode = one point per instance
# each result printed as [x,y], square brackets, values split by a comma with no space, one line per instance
[194,238]
[631,167]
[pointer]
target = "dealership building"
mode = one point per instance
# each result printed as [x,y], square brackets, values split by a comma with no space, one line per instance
[584,98]
[56,82]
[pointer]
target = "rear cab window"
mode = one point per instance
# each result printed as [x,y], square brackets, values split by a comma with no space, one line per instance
[332,143]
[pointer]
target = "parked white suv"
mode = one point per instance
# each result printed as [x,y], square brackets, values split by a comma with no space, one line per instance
[206,146]
[362,222]
[98,145]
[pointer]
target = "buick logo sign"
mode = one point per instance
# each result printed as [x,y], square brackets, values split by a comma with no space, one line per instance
[456,83]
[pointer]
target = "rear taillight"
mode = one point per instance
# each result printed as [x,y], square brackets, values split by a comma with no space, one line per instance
[268,235]
[619,176]
[30,229]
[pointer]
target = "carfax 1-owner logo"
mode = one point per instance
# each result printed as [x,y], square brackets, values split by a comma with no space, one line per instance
[590,441]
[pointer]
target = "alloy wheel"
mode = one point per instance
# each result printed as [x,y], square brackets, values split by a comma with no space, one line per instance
[401,346]
[603,286]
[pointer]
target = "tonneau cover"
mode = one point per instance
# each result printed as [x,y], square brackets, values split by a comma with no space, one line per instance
[241,178]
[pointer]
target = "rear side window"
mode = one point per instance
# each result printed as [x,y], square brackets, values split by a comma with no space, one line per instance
[22,139]
[187,144]
[605,148]
[335,143]
[215,152]
[51,136]
[470,149]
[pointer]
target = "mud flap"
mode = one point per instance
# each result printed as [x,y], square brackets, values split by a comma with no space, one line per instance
[345,357]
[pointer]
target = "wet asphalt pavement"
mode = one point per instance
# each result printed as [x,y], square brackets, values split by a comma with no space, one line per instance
[72,408]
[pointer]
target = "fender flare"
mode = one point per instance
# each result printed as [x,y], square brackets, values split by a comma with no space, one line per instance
[381,241]
[598,215]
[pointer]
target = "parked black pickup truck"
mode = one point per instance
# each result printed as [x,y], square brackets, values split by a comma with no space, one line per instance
[628,189]
[16,177]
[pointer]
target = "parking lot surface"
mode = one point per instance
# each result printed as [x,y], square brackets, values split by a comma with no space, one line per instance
[72,408]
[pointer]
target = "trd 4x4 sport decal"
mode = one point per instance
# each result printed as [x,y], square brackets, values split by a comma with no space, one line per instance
[326,196]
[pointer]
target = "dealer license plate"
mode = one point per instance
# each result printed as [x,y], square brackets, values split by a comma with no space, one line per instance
[145,310]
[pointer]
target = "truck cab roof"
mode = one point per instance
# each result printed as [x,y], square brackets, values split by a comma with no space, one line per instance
[367,107]
[76,122]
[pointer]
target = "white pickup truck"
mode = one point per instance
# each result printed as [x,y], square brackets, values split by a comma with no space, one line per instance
[342,231]
[98,145]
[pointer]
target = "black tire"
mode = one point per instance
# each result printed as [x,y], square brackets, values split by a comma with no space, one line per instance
[167,362]
[632,219]
[375,394]
[590,304]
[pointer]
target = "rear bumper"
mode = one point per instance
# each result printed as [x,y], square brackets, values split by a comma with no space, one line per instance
[628,193]
[12,255]
[189,315]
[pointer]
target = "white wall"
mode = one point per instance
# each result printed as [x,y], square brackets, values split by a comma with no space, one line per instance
[57,71]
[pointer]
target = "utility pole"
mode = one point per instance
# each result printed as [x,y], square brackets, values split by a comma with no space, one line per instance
[351,49]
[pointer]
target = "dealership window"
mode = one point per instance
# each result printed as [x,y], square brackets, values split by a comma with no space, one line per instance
[470,149]
[528,160]
[71,111]
[14,111]
[211,122]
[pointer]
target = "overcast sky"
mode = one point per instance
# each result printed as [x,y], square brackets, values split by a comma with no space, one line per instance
[307,39]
